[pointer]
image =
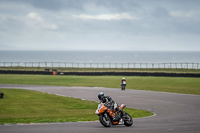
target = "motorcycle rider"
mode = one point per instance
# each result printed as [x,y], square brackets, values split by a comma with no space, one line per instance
[123,80]
[110,103]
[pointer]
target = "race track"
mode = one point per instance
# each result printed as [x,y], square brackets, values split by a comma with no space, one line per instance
[174,113]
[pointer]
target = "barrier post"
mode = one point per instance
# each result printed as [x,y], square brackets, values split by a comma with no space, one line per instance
[54,73]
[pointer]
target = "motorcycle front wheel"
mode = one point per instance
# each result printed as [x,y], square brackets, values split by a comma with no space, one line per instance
[105,120]
[123,87]
[128,121]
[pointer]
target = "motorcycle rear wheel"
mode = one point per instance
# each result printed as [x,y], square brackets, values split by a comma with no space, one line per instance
[128,121]
[105,120]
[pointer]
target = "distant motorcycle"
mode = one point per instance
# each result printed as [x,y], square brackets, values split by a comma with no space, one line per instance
[123,85]
[106,120]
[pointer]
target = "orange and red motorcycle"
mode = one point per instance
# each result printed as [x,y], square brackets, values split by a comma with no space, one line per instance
[106,116]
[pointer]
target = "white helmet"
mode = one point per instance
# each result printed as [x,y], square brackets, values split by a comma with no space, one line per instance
[123,78]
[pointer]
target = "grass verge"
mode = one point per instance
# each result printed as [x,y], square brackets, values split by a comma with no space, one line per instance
[61,69]
[26,106]
[164,84]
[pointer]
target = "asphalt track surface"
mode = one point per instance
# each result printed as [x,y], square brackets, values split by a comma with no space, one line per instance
[174,113]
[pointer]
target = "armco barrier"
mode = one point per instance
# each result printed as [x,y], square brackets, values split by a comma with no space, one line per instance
[159,74]
[132,74]
[25,72]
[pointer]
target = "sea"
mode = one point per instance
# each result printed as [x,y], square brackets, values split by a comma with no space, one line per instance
[101,56]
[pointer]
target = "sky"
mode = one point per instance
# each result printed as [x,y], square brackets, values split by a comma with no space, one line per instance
[111,25]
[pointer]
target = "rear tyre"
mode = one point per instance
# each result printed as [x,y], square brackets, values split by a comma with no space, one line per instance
[128,121]
[105,120]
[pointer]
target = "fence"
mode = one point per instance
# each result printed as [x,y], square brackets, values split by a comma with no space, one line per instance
[101,65]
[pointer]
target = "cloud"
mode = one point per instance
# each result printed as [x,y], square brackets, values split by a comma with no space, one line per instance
[47,4]
[118,5]
[118,16]
[192,14]
[35,16]
[99,24]
[160,12]
[37,20]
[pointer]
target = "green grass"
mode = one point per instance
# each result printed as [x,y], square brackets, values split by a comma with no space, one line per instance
[164,84]
[25,106]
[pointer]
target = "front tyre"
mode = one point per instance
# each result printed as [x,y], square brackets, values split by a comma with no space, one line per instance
[123,87]
[105,120]
[128,121]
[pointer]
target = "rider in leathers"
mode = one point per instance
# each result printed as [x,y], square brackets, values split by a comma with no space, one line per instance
[109,103]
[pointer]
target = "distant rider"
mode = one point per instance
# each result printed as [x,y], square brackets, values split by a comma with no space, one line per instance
[110,104]
[123,81]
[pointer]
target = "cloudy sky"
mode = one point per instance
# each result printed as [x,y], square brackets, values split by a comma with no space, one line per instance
[128,25]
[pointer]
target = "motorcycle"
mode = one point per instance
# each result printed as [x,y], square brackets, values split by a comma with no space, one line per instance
[123,85]
[106,116]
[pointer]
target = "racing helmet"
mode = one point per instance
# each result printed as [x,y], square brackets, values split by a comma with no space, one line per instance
[100,95]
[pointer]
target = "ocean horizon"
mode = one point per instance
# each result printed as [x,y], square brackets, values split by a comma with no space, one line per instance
[100,56]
